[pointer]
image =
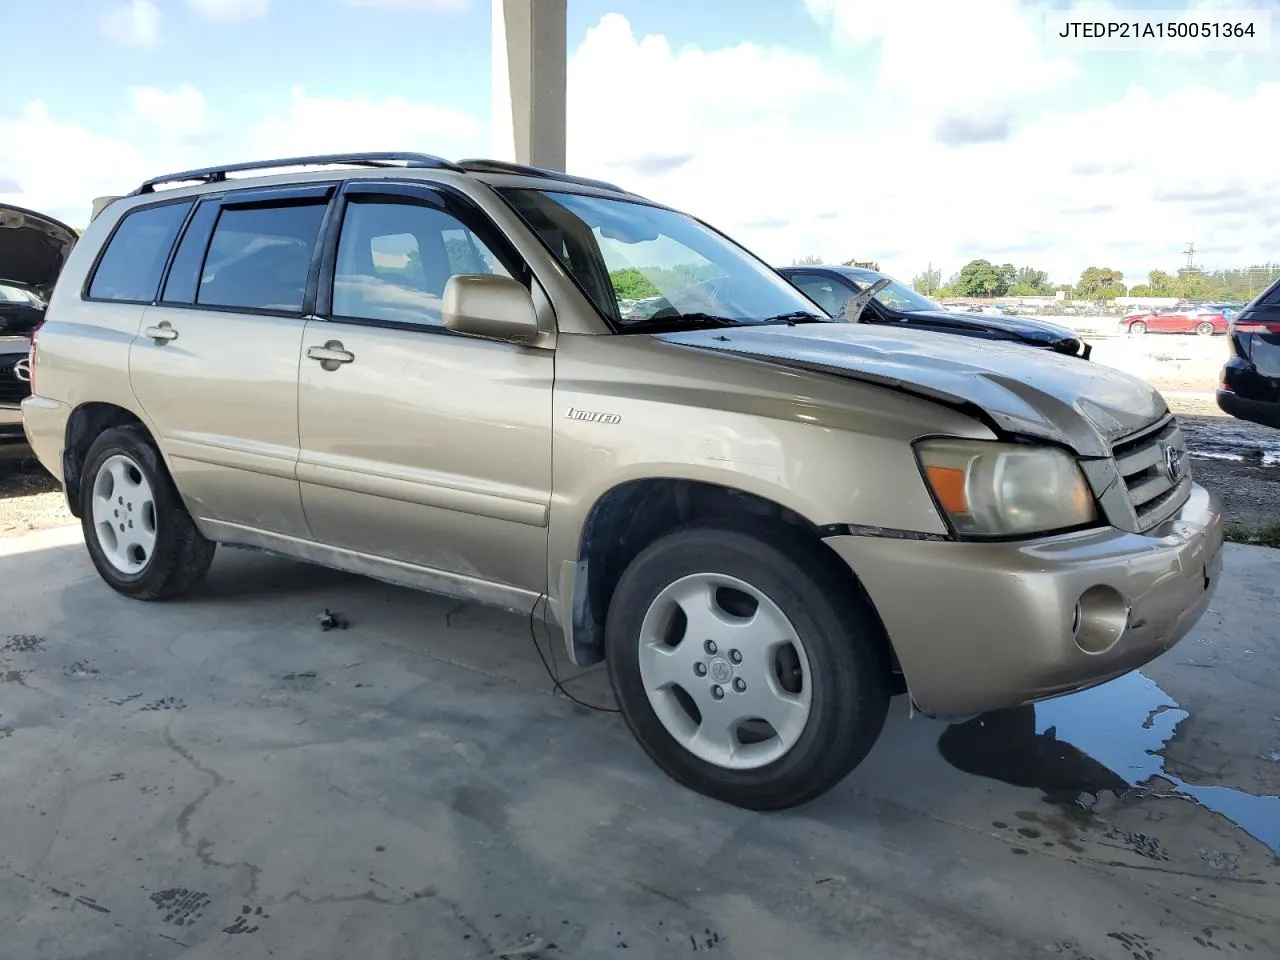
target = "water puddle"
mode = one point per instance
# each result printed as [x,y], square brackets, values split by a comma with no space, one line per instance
[1107,738]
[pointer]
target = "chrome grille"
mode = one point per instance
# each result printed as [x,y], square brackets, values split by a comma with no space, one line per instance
[1143,460]
[12,390]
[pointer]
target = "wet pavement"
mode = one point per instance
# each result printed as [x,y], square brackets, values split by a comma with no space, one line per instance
[220,777]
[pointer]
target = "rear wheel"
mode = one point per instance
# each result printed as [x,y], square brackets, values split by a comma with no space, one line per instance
[746,664]
[1204,328]
[140,537]
[1138,327]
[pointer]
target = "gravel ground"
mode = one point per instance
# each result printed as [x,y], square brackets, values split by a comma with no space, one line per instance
[1238,461]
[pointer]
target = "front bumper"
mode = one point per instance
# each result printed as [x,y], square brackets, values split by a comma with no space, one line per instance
[983,626]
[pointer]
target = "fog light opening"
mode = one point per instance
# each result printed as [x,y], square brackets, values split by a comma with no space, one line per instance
[1100,619]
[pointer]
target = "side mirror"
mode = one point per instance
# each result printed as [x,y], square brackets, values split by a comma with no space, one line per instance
[488,306]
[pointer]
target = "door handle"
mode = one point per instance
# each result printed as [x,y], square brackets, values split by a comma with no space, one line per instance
[162,333]
[331,356]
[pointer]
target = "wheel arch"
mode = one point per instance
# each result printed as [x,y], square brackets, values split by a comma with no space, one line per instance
[632,514]
[86,423]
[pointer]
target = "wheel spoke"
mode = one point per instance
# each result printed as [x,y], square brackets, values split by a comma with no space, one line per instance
[717,738]
[785,712]
[661,666]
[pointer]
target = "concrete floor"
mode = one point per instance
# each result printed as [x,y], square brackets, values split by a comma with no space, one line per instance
[220,778]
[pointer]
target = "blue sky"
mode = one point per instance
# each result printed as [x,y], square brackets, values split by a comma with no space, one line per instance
[914,132]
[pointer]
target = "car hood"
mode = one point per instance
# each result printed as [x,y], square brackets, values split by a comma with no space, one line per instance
[1024,328]
[1026,392]
[33,248]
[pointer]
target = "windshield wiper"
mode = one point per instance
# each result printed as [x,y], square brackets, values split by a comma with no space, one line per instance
[794,317]
[680,320]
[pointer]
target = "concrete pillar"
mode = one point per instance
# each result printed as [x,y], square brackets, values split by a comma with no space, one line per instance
[529,66]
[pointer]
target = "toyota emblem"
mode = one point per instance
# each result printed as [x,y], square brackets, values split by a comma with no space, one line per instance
[22,370]
[1173,462]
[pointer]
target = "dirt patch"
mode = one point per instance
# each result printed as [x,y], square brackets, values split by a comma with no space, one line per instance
[30,499]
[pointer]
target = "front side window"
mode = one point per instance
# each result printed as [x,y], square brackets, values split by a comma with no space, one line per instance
[646,267]
[134,259]
[827,293]
[259,257]
[394,259]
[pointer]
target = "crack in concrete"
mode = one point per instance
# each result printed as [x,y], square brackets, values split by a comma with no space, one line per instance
[201,846]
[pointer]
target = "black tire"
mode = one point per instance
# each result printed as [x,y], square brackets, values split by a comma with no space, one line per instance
[849,671]
[1205,329]
[181,556]
[1138,327]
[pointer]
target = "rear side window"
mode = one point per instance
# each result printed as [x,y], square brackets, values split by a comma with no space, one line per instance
[131,265]
[259,257]
[184,273]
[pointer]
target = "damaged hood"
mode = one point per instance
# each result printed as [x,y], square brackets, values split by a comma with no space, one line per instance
[1028,392]
[33,248]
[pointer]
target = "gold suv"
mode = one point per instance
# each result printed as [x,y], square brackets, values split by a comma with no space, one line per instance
[766,521]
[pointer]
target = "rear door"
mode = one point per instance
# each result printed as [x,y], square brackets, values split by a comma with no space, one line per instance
[418,444]
[215,365]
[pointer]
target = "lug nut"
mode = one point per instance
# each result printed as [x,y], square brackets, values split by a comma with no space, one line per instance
[735,656]
[717,692]
[739,684]
[700,669]
[709,646]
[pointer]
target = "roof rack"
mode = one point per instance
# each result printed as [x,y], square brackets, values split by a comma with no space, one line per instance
[219,174]
[523,170]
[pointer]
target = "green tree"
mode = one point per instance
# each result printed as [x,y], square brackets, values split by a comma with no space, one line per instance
[928,282]
[1033,280]
[1100,283]
[981,278]
[1160,284]
[631,284]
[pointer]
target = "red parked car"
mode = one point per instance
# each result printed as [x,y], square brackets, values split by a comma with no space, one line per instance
[1204,321]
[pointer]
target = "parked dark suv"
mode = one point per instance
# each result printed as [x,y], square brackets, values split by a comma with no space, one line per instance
[1250,387]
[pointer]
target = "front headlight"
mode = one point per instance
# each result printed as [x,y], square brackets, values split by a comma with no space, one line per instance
[1003,489]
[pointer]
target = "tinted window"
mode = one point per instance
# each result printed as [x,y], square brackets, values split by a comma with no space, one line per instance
[828,294]
[259,257]
[184,274]
[131,265]
[394,260]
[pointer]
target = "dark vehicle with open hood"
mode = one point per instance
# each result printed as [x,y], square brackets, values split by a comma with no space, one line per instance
[33,248]
[1250,388]
[897,304]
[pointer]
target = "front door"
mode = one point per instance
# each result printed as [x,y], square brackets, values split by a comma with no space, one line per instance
[420,445]
[215,365]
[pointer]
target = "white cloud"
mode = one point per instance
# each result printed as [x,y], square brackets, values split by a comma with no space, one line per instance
[309,125]
[181,112]
[820,168]
[136,23]
[423,6]
[975,64]
[228,11]
[157,131]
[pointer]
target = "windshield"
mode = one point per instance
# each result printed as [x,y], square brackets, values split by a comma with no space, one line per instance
[12,294]
[648,267]
[896,296]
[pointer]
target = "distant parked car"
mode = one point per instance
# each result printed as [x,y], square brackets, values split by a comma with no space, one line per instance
[1250,387]
[33,248]
[1202,320]
[898,304]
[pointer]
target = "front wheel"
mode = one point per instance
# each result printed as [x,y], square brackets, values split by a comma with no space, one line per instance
[1204,328]
[140,537]
[746,664]
[1138,327]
